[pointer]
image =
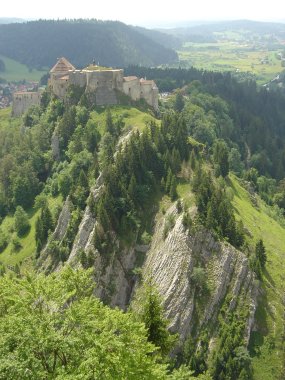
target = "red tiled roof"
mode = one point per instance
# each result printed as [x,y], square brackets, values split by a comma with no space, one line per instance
[62,65]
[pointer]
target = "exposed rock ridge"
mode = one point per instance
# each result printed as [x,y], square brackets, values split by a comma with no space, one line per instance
[170,263]
[85,229]
[58,234]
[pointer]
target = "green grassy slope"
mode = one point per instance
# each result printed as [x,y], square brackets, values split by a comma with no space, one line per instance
[23,256]
[15,71]
[132,117]
[6,120]
[232,56]
[266,344]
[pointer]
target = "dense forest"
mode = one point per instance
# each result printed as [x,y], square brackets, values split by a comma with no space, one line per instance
[38,44]
[212,132]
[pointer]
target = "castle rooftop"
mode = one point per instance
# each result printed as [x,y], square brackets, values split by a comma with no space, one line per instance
[98,68]
[130,78]
[62,65]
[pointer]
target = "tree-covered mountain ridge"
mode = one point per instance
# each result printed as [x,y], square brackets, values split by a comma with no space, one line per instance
[170,204]
[38,44]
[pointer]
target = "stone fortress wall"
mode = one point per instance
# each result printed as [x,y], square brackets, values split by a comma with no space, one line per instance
[24,100]
[104,82]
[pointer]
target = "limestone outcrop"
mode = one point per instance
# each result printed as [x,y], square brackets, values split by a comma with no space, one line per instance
[170,263]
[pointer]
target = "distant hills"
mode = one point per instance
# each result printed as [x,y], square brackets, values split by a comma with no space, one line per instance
[205,31]
[39,43]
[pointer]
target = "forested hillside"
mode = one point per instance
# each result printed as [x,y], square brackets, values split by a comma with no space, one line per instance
[177,217]
[38,44]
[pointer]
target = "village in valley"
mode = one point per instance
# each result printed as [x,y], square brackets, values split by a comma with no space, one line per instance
[7,89]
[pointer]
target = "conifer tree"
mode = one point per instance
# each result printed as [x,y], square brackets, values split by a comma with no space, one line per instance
[83,180]
[173,188]
[151,313]
[260,253]
[168,180]
[21,223]
[39,234]
[179,102]
[109,123]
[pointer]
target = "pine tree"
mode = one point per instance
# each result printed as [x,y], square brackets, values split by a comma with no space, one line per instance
[22,224]
[260,253]
[109,123]
[39,234]
[179,102]
[47,220]
[154,320]
[221,158]
[168,180]
[132,189]
[83,180]
[173,188]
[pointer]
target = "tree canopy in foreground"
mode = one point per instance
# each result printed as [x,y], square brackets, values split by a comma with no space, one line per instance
[52,327]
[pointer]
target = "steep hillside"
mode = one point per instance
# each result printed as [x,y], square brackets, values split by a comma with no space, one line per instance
[266,343]
[153,210]
[38,44]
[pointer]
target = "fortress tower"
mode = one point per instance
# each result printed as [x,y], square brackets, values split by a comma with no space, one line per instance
[103,81]
[106,83]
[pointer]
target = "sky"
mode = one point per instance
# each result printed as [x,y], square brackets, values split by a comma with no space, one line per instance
[147,12]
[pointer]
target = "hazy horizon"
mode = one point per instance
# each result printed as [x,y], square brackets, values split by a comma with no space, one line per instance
[149,14]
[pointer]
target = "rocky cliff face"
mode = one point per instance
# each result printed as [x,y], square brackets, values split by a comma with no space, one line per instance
[171,261]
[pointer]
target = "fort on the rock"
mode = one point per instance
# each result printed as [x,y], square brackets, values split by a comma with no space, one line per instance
[106,83]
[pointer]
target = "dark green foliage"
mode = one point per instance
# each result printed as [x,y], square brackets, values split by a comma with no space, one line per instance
[256,115]
[39,43]
[260,253]
[203,187]
[187,220]
[109,123]
[235,162]
[3,240]
[230,359]
[215,209]
[179,207]
[44,224]
[74,94]
[221,158]
[199,278]
[151,313]
[21,221]
[66,127]
[172,191]
[179,102]
[16,244]
[137,172]
[39,235]
[86,259]
[168,225]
